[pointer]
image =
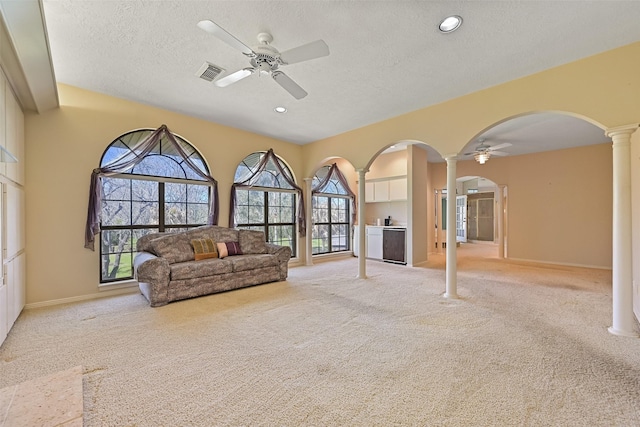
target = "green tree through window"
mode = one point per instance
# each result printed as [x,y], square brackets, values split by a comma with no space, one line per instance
[160,194]
[331,215]
[269,204]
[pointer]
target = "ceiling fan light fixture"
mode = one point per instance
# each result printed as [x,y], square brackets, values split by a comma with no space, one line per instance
[482,157]
[450,24]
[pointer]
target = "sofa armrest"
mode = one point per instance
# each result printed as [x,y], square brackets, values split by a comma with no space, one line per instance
[152,274]
[283,255]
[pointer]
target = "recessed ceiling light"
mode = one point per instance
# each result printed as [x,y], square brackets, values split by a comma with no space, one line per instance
[280,110]
[450,24]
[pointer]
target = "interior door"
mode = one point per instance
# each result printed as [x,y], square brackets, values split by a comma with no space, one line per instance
[461,218]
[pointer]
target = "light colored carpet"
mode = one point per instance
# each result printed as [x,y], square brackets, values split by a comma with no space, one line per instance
[525,345]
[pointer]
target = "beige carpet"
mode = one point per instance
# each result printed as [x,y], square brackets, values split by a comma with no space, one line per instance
[525,345]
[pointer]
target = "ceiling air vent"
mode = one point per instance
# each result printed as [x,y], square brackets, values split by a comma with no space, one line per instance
[209,71]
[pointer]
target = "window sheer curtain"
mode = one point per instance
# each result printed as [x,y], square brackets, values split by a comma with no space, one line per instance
[124,164]
[251,180]
[335,174]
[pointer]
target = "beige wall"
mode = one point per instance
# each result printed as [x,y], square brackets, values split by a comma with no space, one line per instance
[560,203]
[65,145]
[602,89]
[418,206]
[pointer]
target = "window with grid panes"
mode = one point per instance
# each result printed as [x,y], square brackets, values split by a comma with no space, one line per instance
[331,216]
[160,194]
[269,205]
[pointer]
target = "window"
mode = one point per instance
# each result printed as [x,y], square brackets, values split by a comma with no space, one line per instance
[331,203]
[159,194]
[266,198]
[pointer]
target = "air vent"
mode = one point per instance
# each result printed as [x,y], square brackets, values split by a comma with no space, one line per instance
[209,71]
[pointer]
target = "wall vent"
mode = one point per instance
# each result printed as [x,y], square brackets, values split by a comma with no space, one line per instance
[209,71]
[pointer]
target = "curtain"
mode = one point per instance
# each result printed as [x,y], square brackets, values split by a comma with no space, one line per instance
[251,180]
[126,163]
[334,173]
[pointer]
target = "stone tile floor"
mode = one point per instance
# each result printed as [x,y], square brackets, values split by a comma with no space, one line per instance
[53,400]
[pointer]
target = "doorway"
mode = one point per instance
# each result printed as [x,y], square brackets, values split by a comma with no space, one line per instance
[480,217]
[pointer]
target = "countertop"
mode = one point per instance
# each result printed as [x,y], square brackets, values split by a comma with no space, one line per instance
[387,226]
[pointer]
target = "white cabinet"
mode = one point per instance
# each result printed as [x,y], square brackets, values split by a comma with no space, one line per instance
[386,190]
[374,242]
[4,318]
[398,189]
[369,192]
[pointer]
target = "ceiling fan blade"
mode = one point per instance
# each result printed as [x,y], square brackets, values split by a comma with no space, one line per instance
[289,85]
[215,29]
[500,146]
[233,77]
[498,153]
[305,52]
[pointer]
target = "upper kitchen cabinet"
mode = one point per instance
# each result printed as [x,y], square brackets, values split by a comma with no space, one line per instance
[386,190]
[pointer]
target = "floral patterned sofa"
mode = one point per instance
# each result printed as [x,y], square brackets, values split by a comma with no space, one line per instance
[167,270]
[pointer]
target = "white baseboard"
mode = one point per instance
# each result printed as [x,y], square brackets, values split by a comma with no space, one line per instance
[565,264]
[120,291]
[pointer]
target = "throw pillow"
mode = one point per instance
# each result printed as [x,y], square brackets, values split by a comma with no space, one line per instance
[228,248]
[204,248]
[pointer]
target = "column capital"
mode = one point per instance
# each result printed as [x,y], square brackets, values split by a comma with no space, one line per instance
[450,157]
[362,170]
[621,130]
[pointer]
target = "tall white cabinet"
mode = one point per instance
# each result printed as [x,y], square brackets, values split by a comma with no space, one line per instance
[12,211]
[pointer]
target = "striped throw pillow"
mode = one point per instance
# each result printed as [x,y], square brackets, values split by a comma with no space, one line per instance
[204,248]
[229,248]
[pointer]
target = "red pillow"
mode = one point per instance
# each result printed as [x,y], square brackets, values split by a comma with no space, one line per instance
[226,249]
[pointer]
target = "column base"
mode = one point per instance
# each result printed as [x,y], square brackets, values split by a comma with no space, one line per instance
[618,332]
[361,277]
[450,296]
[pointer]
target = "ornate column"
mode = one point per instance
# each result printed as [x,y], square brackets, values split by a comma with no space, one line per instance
[623,319]
[308,240]
[362,259]
[451,257]
[500,194]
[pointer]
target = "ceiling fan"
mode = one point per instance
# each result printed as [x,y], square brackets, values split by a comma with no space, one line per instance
[483,151]
[266,59]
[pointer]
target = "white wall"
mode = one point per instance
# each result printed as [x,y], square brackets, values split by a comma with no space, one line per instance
[12,211]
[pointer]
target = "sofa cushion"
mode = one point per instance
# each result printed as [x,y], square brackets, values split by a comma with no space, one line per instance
[252,262]
[204,248]
[217,233]
[196,269]
[252,242]
[174,247]
[226,249]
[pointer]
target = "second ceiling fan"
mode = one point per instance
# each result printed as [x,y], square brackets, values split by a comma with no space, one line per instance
[266,59]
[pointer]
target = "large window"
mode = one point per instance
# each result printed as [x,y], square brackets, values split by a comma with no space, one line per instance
[331,214]
[267,201]
[159,194]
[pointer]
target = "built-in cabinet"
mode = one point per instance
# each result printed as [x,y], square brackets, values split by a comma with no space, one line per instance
[12,209]
[386,190]
[374,242]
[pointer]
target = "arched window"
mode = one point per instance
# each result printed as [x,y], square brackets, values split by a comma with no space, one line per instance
[333,210]
[160,193]
[265,197]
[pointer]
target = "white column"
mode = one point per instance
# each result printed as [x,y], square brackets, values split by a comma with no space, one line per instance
[500,194]
[362,259]
[309,208]
[451,260]
[623,319]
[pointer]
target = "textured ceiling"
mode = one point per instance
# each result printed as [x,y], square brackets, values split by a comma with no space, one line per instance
[387,57]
